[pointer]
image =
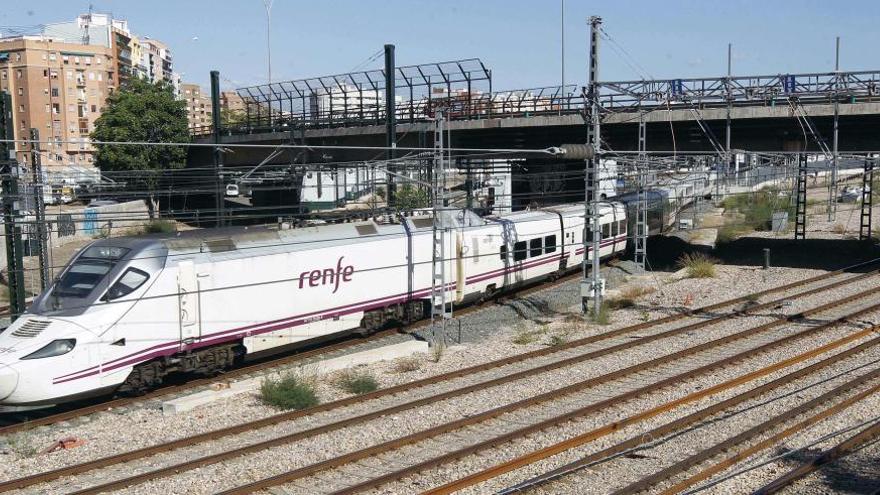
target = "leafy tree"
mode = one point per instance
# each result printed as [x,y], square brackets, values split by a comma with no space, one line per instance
[231,118]
[141,111]
[410,198]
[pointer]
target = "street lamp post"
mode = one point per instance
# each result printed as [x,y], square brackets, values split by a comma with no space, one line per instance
[268,5]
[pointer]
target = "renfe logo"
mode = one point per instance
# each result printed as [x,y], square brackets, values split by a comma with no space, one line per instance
[328,275]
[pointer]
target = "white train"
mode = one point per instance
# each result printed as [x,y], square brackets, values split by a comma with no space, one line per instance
[128,311]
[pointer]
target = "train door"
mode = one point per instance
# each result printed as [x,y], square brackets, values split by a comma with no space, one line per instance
[188,299]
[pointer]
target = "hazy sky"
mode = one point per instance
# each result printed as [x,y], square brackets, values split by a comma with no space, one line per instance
[518,39]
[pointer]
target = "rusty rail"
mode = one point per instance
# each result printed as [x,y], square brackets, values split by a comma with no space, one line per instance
[842,449]
[419,436]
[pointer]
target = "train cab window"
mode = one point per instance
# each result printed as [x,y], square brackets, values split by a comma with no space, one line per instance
[536,247]
[503,253]
[81,278]
[606,231]
[127,283]
[520,251]
[550,244]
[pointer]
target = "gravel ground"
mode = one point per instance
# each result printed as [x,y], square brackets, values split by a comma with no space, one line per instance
[604,477]
[312,450]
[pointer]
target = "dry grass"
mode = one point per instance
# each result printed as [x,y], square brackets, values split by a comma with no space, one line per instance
[698,265]
[839,228]
[406,364]
[524,335]
[437,352]
[636,291]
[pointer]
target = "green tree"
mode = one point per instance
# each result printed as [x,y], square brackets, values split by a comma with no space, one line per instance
[231,118]
[141,111]
[410,198]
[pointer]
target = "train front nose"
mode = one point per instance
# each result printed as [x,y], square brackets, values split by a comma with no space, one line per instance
[8,381]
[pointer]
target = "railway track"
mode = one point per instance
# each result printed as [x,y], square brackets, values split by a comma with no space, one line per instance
[17,422]
[458,439]
[617,340]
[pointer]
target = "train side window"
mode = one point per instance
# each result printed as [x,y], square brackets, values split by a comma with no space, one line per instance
[520,251]
[127,283]
[606,231]
[536,247]
[550,244]
[622,227]
[503,253]
[614,228]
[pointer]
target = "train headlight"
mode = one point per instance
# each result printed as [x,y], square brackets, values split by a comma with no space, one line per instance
[54,348]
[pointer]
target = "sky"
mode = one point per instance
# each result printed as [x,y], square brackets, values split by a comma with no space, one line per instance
[520,40]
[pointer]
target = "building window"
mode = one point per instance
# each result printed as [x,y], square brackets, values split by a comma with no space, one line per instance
[56,108]
[94,108]
[76,60]
[91,76]
[47,108]
[18,57]
[18,74]
[100,77]
[98,60]
[54,92]
[70,108]
[45,72]
[70,74]
[66,59]
[52,57]
[20,92]
[88,60]
[44,56]
[21,108]
[3,74]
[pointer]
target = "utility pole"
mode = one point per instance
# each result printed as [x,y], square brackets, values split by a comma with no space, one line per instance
[268,5]
[592,287]
[562,57]
[441,309]
[641,234]
[39,209]
[9,183]
[832,191]
[727,157]
[390,123]
[218,153]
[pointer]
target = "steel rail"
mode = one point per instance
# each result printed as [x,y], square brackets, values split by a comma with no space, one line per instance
[288,416]
[490,414]
[749,434]
[283,361]
[667,428]
[842,449]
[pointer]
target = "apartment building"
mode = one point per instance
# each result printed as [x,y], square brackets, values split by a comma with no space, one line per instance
[58,88]
[198,107]
[60,78]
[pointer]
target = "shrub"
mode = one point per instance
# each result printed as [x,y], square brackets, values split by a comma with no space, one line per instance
[839,228]
[406,364]
[556,340]
[289,391]
[525,336]
[698,265]
[729,232]
[160,227]
[357,382]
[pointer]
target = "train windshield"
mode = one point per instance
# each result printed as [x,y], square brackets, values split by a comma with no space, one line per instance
[81,278]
